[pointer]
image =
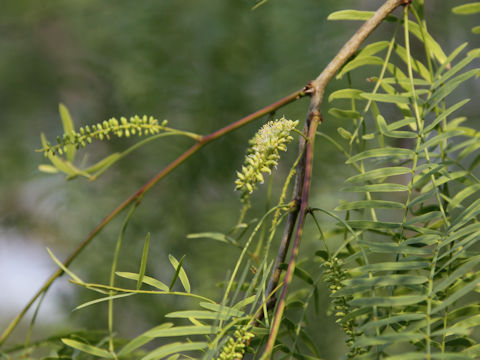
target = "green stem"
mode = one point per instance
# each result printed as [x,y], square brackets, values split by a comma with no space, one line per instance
[112,274]
[147,292]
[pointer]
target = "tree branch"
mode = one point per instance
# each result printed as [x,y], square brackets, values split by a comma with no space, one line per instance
[317,89]
[145,188]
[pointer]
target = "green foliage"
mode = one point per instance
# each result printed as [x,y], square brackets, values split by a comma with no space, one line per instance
[401,259]
[411,260]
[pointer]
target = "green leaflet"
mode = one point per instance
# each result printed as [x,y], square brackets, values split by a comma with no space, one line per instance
[466,230]
[181,331]
[371,225]
[422,240]
[376,188]
[416,65]
[401,99]
[442,79]
[199,314]
[456,296]
[466,215]
[468,150]
[464,145]
[462,195]
[141,340]
[173,348]
[447,88]
[387,131]
[434,356]
[401,300]
[143,263]
[392,266]
[389,339]
[351,285]
[344,133]
[89,349]
[434,48]
[429,216]
[48,169]
[303,274]
[457,253]
[445,179]
[392,248]
[373,48]
[214,236]
[351,15]
[404,82]
[467,9]
[457,274]
[386,152]
[423,176]
[103,164]
[407,121]
[222,309]
[64,268]
[146,280]
[472,351]
[359,62]
[359,15]
[68,128]
[468,323]
[180,272]
[59,163]
[391,320]
[300,273]
[450,59]
[437,140]
[369,204]
[106,298]
[345,94]
[344,114]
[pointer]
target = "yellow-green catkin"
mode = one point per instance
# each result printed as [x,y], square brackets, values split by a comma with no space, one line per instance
[335,275]
[234,349]
[263,154]
[135,125]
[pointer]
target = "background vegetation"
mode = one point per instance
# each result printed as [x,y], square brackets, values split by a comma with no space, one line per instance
[200,65]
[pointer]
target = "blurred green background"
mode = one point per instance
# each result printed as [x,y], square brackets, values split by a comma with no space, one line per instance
[199,64]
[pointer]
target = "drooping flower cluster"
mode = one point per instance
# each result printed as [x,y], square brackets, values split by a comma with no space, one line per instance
[335,275]
[263,154]
[136,125]
[235,347]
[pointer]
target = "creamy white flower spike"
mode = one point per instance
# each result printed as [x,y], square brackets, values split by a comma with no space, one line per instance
[263,153]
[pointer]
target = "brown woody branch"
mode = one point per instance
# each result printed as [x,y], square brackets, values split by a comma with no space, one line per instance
[304,172]
[145,188]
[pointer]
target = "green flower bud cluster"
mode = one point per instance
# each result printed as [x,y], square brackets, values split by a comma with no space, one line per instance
[136,125]
[335,274]
[234,349]
[263,154]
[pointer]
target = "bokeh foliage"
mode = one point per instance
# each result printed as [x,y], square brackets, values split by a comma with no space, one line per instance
[200,65]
